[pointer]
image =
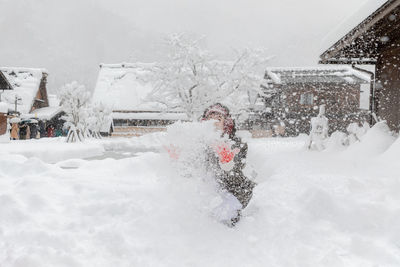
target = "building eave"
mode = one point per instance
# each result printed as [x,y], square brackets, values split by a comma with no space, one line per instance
[330,55]
[348,61]
[10,87]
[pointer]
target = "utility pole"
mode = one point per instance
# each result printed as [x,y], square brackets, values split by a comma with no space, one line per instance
[17,98]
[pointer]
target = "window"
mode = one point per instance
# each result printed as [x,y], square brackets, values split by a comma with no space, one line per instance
[306,99]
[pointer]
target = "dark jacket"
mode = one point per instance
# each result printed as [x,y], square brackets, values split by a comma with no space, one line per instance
[234,181]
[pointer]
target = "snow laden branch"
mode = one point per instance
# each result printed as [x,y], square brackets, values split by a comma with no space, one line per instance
[83,118]
[242,78]
[100,118]
[75,102]
[192,78]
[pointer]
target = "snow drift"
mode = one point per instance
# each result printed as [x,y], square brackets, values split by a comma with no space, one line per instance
[377,140]
[308,209]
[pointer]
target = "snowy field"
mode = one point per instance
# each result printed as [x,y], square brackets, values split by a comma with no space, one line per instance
[120,202]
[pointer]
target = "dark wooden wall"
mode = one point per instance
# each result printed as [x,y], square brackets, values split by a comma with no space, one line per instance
[339,98]
[3,82]
[3,123]
[41,94]
[387,89]
[342,106]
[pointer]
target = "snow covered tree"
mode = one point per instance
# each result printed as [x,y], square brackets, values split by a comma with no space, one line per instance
[192,78]
[355,131]
[101,117]
[186,81]
[74,100]
[87,121]
[242,78]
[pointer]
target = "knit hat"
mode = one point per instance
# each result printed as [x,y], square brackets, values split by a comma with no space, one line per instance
[229,124]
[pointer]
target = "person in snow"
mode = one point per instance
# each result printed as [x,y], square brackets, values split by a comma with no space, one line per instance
[227,161]
[22,131]
[14,131]
[28,131]
[50,131]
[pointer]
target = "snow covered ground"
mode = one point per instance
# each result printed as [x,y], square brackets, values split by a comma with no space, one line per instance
[120,202]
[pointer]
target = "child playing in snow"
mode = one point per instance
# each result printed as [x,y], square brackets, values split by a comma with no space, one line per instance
[227,160]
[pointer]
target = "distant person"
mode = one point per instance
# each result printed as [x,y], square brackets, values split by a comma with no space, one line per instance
[14,131]
[22,131]
[58,132]
[42,129]
[28,132]
[50,131]
[34,130]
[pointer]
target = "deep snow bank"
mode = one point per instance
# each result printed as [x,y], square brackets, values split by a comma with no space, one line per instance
[52,149]
[377,140]
[309,209]
[392,153]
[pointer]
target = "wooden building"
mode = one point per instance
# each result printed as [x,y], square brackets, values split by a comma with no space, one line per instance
[4,84]
[375,39]
[24,92]
[293,97]
[28,89]
[3,118]
[52,116]
[124,88]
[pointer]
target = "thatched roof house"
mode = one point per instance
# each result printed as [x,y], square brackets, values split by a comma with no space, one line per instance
[125,89]
[25,89]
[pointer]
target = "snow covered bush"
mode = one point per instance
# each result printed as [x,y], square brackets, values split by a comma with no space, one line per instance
[101,115]
[337,141]
[355,132]
[192,78]
[87,121]
[74,99]
[361,141]
[374,142]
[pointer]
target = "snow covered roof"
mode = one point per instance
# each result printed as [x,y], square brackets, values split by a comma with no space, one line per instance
[105,128]
[125,87]
[3,107]
[54,101]
[345,34]
[325,74]
[25,84]
[175,116]
[46,113]
[4,83]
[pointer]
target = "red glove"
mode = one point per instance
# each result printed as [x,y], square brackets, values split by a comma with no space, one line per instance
[225,153]
[173,151]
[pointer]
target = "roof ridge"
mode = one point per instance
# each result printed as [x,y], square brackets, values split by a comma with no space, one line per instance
[311,68]
[281,73]
[126,65]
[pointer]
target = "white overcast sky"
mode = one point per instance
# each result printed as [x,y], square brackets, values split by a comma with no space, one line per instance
[292,30]
[70,38]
